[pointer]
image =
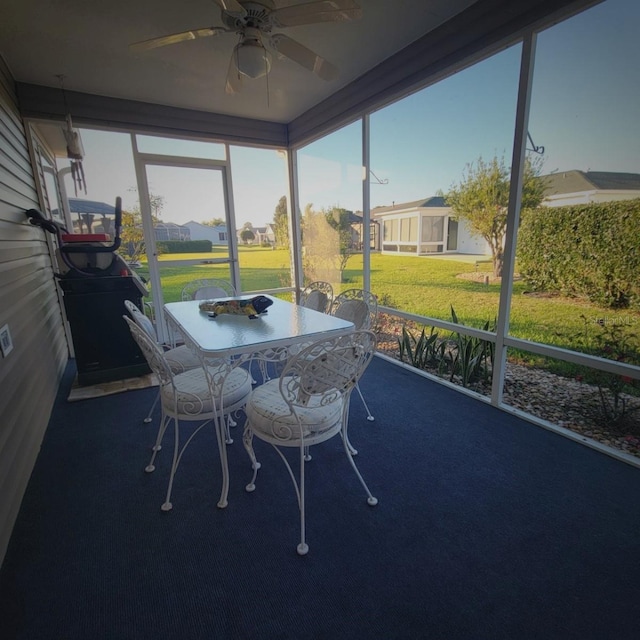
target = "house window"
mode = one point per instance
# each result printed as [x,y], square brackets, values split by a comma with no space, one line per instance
[409,230]
[390,230]
[452,235]
[432,228]
[222,236]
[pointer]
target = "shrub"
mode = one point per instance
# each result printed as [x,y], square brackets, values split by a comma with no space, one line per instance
[468,357]
[185,246]
[613,342]
[472,358]
[588,250]
[420,352]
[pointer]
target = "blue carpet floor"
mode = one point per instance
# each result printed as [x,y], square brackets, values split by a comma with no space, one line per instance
[487,528]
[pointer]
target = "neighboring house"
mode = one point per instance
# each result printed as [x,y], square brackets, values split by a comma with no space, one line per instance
[198,231]
[357,231]
[428,226]
[262,235]
[166,231]
[270,234]
[423,227]
[579,187]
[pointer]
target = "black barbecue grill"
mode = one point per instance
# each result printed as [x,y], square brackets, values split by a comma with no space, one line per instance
[95,282]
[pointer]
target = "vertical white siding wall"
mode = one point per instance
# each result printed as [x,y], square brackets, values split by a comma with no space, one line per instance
[30,374]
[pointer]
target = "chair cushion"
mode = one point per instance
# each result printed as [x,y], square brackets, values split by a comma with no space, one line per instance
[146,324]
[355,311]
[268,414]
[193,395]
[316,300]
[181,359]
[141,319]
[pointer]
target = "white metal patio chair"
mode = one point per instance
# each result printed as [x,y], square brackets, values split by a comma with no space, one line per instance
[203,395]
[317,296]
[180,359]
[307,405]
[360,307]
[208,289]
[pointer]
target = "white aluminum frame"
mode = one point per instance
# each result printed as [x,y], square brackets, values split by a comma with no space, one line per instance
[141,161]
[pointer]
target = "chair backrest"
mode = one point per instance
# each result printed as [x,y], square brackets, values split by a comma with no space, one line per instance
[358,306]
[327,368]
[208,289]
[317,296]
[140,319]
[152,352]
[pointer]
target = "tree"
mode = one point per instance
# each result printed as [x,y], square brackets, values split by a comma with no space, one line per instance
[482,198]
[281,223]
[247,235]
[340,220]
[327,243]
[131,235]
[214,222]
[157,205]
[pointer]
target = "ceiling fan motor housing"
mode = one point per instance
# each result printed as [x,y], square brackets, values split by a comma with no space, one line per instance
[258,16]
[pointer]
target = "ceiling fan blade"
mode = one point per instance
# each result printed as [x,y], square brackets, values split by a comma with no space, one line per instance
[233,83]
[303,56]
[313,12]
[231,6]
[173,38]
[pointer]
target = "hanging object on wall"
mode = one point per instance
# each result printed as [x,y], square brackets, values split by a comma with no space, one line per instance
[75,150]
[536,148]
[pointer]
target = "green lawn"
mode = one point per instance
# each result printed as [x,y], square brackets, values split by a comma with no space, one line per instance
[425,286]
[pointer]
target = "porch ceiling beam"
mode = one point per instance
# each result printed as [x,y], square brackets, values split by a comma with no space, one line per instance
[46,103]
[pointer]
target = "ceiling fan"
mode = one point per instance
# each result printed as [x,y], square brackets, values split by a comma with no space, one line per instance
[253,21]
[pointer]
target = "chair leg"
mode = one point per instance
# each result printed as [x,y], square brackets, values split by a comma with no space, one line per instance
[370,418]
[177,457]
[167,506]
[371,500]
[303,547]
[164,421]
[221,425]
[228,422]
[149,417]
[247,440]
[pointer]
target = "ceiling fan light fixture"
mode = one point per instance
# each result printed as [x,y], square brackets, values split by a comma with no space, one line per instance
[252,59]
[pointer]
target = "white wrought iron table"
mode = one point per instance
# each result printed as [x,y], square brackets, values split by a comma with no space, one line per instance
[284,324]
[269,336]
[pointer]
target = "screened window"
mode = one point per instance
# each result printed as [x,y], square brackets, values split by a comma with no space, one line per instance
[390,230]
[409,230]
[433,229]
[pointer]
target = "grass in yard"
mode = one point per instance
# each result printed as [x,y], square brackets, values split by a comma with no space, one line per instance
[427,286]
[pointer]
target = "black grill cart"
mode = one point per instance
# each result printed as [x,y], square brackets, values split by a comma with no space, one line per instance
[95,282]
[102,342]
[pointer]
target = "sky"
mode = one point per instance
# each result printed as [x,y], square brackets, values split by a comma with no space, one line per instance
[584,112]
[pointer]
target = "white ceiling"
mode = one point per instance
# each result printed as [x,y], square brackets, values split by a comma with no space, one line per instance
[87,42]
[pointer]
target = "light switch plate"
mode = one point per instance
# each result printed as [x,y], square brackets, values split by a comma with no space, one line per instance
[6,344]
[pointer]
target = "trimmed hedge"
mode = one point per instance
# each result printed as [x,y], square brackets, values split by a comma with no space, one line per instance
[185,246]
[590,250]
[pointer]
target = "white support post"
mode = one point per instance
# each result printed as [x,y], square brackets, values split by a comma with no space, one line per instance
[295,235]
[366,204]
[513,214]
[232,239]
[149,240]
